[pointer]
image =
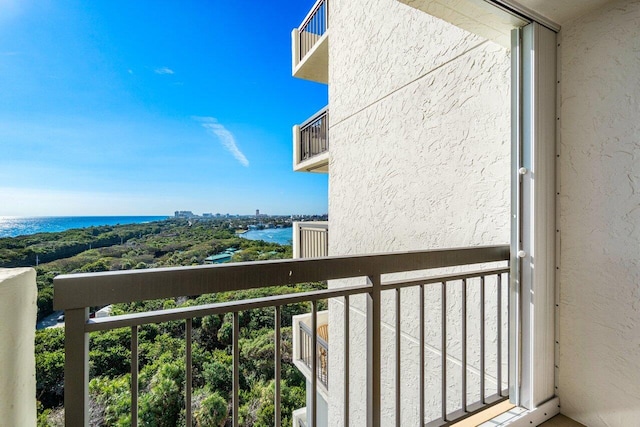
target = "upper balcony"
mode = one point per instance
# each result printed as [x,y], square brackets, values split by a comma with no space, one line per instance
[310,45]
[311,144]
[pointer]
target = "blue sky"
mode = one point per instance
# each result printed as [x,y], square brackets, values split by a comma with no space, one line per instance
[146,107]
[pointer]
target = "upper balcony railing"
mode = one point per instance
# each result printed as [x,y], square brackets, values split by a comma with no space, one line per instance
[311,143]
[311,239]
[76,293]
[313,27]
[310,45]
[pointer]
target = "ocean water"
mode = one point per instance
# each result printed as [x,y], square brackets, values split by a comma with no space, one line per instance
[282,236]
[19,226]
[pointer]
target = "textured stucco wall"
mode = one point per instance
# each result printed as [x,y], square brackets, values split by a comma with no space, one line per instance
[419,132]
[599,173]
[419,159]
[18,312]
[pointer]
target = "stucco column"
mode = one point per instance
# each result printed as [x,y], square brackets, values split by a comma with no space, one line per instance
[18,311]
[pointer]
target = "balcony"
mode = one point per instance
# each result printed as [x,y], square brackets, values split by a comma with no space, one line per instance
[311,144]
[310,45]
[310,239]
[303,348]
[306,352]
[300,417]
[481,381]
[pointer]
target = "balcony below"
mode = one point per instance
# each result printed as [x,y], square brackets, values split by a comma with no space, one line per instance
[310,239]
[311,351]
[311,144]
[303,348]
[310,45]
[300,417]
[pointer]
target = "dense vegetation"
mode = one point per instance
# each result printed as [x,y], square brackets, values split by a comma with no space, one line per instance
[162,346]
[125,247]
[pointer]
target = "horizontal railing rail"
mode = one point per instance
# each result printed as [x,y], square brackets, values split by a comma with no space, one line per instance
[322,353]
[315,225]
[314,135]
[315,117]
[167,315]
[313,27]
[76,293]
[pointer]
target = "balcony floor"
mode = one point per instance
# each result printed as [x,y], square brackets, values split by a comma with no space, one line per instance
[489,413]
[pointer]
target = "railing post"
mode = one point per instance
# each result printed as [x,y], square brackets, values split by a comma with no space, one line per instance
[297,145]
[277,362]
[134,376]
[314,363]
[347,377]
[295,48]
[398,358]
[236,369]
[326,241]
[76,368]
[373,352]
[188,336]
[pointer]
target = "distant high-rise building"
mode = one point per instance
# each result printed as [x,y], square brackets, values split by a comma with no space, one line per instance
[257,212]
[184,214]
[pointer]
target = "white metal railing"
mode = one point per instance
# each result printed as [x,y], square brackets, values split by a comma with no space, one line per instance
[313,239]
[76,293]
[313,27]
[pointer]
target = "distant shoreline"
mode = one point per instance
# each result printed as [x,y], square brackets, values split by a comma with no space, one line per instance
[24,226]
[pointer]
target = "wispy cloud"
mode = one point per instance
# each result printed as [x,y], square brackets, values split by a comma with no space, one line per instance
[164,70]
[226,138]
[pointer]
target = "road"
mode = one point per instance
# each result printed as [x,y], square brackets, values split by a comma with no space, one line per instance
[51,321]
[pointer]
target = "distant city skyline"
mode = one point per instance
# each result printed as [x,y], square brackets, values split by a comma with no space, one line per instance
[192,214]
[114,108]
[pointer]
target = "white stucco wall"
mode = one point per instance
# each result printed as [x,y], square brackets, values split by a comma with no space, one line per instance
[599,221]
[419,159]
[18,312]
